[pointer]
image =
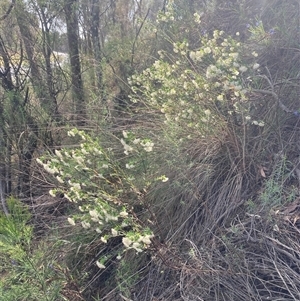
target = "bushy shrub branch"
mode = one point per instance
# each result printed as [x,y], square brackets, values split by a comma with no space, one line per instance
[104,187]
[200,89]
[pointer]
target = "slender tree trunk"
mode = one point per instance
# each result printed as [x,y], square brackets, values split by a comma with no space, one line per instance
[47,51]
[95,23]
[87,46]
[70,8]
[2,198]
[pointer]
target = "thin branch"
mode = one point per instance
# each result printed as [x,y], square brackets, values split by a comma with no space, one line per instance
[3,17]
[137,35]
[272,92]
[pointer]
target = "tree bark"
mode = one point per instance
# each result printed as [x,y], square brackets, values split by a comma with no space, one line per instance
[70,9]
[95,23]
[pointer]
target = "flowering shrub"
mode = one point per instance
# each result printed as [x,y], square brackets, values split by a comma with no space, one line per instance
[91,177]
[200,88]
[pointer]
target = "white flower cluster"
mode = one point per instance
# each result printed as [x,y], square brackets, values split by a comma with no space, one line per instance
[181,48]
[103,214]
[197,55]
[100,265]
[138,244]
[48,166]
[259,123]
[197,18]
[127,148]
[167,15]
[212,71]
[146,144]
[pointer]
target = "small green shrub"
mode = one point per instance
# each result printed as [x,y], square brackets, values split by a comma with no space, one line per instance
[274,191]
[27,270]
[127,276]
[15,233]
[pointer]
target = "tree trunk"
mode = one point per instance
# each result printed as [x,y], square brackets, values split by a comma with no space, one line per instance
[70,9]
[47,51]
[95,23]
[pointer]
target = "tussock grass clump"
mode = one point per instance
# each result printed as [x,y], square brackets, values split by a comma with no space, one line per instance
[226,221]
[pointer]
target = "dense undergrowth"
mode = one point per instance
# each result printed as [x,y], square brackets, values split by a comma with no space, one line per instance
[193,194]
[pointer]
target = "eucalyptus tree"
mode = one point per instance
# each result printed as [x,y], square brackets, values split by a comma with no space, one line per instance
[47,13]
[28,90]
